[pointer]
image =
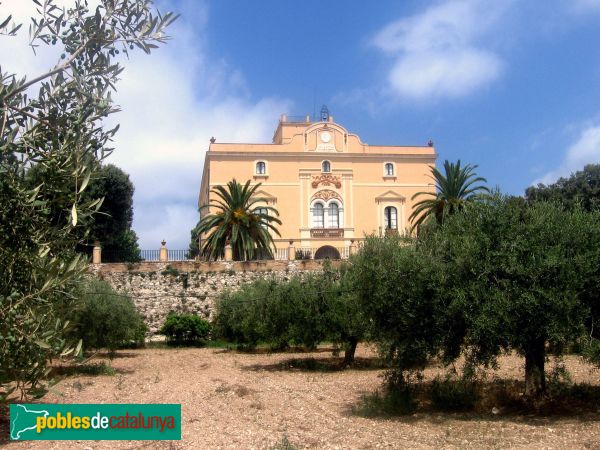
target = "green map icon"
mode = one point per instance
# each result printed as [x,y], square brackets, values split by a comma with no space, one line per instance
[23,420]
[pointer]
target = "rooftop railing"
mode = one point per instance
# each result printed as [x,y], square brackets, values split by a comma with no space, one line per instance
[295,119]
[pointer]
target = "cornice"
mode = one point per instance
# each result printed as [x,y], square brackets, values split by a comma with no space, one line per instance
[314,155]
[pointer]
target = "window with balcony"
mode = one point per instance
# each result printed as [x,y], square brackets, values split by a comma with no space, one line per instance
[390,218]
[318,213]
[327,220]
[333,216]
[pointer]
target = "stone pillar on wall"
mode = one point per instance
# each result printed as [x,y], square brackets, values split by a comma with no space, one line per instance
[228,253]
[353,247]
[163,255]
[97,253]
[291,251]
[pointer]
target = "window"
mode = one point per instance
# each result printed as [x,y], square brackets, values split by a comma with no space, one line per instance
[327,215]
[334,216]
[264,211]
[326,166]
[390,218]
[261,168]
[389,170]
[318,216]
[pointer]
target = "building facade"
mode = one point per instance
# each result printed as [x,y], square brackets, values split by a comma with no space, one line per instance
[329,187]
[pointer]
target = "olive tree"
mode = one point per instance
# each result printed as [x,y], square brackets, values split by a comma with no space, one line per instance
[519,278]
[500,275]
[55,119]
[397,290]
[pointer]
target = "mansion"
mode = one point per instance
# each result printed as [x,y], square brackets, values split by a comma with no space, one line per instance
[329,187]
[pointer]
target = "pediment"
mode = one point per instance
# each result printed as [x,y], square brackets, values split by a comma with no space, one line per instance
[326,126]
[264,194]
[390,196]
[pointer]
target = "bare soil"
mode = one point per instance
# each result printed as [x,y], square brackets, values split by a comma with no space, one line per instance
[234,400]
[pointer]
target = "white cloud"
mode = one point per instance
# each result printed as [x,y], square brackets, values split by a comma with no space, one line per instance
[586,150]
[16,56]
[173,101]
[436,52]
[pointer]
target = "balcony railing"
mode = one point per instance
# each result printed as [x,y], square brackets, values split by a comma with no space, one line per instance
[327,232]
[179,255]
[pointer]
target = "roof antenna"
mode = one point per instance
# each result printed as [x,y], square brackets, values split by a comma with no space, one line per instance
[314,102]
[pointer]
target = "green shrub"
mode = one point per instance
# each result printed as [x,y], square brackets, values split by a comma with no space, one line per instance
[591,350]
[105,319]
[392,401]
[450,394]
[186,329]
[240,315]
[301,311]
[170,271]
[93,369]
[303,254]
[285,444]
[278,313]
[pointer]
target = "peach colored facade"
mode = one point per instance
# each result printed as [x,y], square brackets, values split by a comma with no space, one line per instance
[329,187]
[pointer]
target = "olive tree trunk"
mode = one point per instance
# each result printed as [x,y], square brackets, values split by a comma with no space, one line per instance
[535,379]
[351,344]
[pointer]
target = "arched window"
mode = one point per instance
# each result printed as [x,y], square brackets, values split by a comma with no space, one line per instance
[389,170]
[326,166]
[334,216]
[390,218]
[318,213]
[261,168]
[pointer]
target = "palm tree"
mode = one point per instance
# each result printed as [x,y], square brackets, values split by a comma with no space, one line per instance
[453,190]
[238,222]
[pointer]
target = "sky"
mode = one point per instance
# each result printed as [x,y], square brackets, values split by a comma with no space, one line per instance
[510,85]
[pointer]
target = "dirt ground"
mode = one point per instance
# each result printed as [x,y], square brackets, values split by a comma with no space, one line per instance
[234,400]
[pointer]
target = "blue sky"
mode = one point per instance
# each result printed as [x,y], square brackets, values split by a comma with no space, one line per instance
[510,85]
[533,85]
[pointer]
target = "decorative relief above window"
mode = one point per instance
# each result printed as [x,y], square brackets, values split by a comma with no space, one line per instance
[326,180]
[327,194]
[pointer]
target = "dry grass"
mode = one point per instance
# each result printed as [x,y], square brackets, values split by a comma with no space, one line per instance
[239,400]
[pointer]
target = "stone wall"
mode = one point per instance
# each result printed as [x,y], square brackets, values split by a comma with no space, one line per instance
[190,286]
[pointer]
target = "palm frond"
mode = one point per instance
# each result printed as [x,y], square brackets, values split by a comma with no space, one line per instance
[453,188]
[235,222]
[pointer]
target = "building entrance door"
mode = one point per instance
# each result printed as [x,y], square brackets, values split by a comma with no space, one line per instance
[327,252]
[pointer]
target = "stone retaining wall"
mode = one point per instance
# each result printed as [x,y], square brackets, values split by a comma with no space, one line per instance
[158,288]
